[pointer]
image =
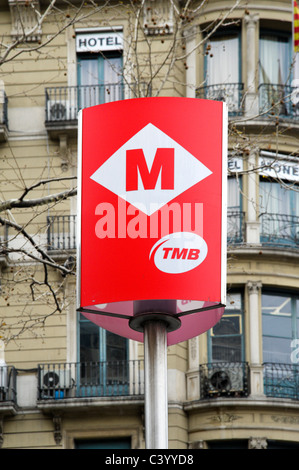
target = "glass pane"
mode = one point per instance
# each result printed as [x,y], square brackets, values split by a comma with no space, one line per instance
[89,92]
[113,70]
[117,365]
[226,349]
[277,350]
[89,342]
[89,71]
[276,305]
[277,326]
[116,347]
[226,336]
[233,302]
[274,198]
[228,325]
[113,79]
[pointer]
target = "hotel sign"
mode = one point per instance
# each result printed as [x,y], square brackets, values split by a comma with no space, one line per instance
[277,168]
[99,41]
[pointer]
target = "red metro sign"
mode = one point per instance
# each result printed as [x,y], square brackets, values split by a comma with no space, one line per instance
[152,211]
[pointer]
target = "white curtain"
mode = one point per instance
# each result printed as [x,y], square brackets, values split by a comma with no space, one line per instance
[283,203]
[223,60]
[100,78]
[276,199]
[233,193]
[89,75]
[274,60]
[112,77]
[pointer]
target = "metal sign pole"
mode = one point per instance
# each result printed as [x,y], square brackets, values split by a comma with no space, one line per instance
[155,318]
[155,370]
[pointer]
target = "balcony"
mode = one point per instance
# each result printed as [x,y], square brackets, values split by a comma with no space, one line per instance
[90,379]
[230,93]
[8,386]
[61,233]
[279,229]
[281,380]
[235,226]
[64,103]
[224,379]
[279,100]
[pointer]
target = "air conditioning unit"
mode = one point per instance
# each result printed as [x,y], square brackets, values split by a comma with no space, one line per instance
[225,381]
[60,379]
[60,110]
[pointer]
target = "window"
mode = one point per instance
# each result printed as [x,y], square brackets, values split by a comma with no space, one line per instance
[99,78]
[275,58]
[99,60]
[121,443]
[275,73]
[104,360]
[226,338]
[280,313]
[279,212]
[222,70]
[235,220]
[222,59]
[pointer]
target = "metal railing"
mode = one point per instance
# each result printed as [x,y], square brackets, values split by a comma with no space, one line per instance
[279,100]
[224,379]
[61,232]
[64,103]
[281,380]
[90,379]
[235,226]
[279,229]
[231,93]
[8,384]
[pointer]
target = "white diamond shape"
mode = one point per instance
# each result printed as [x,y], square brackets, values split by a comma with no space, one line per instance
[188,170]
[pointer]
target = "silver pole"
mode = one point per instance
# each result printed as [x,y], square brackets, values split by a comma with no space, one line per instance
[155,318]
[155,369]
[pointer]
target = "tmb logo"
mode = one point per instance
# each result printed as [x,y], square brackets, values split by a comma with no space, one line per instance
[179,252]
[150,170]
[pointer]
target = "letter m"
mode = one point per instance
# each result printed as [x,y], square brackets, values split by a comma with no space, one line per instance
[163,163]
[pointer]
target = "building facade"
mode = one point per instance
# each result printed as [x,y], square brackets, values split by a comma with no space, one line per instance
[66,383]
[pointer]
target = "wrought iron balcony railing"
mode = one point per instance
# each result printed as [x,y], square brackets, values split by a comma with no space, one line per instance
[235,226]
[279,229]
[231,93]
[8,384]
[224,379]
[279,100]
[281,380]
[64,103]
[90,379]
[61,232]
